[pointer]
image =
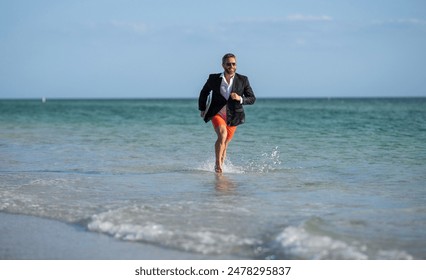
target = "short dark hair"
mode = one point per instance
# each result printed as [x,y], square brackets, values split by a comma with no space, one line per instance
[226,56]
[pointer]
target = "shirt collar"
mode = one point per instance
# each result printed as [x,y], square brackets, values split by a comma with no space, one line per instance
[223,75]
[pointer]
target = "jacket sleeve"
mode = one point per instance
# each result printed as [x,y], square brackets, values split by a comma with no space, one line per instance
[248,96]
[203,95]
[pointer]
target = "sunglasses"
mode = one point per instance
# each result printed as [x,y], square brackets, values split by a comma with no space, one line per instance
[230,64]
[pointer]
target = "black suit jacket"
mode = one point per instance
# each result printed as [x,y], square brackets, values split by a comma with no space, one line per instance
[235,112]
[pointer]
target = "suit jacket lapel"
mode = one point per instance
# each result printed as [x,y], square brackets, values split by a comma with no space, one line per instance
[234,83]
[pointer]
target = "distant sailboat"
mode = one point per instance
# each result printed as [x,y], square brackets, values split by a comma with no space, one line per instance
[43,99]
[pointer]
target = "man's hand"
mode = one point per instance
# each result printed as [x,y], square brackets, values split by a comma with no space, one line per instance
[235,96]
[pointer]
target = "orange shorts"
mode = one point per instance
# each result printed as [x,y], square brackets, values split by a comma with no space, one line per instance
[217,120]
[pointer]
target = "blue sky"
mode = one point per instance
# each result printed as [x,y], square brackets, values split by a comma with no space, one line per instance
[159,48]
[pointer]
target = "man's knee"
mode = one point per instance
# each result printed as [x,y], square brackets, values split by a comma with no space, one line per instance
[222,133]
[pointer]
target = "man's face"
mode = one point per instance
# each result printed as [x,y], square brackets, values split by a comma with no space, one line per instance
[230,65]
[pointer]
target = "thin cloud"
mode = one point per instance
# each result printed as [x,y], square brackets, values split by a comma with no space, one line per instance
[300,17]
[137,27]
[288,18]
[401,21]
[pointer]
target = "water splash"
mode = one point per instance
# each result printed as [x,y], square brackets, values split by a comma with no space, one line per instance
[267,162]
[228,167]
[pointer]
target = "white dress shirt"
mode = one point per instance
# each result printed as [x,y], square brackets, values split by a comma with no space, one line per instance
[225,90]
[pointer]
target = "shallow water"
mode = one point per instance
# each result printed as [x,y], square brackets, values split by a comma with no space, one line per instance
[304,178]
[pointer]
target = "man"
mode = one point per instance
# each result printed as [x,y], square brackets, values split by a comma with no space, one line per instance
[230,91]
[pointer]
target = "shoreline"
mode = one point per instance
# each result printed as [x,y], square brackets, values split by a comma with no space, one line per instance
[32,238]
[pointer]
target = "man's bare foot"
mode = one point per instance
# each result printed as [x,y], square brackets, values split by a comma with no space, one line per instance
[217,169]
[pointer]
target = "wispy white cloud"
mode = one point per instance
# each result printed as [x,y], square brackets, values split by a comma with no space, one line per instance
[402,21]
[300,17]
[137,27]
[288,18]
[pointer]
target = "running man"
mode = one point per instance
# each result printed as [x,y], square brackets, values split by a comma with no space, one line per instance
[230,91]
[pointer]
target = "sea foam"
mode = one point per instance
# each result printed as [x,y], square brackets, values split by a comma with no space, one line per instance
[298,242]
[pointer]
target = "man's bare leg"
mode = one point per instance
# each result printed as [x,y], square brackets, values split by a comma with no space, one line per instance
[220,147]
[224,152]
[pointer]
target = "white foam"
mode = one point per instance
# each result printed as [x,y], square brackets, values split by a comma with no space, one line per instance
[299,243]
[149,232]
[393,255]
[152,227]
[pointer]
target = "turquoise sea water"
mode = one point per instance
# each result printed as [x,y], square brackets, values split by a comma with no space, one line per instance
[304,178]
